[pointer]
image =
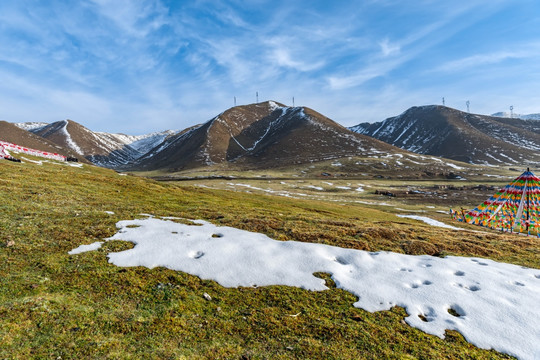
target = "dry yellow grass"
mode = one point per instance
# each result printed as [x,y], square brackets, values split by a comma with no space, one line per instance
[56,305]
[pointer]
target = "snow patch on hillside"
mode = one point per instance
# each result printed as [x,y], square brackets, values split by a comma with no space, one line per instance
[273,105]
[70,141]
[145,143]
[30,126]
[494,305]
[430,221]
[505,114]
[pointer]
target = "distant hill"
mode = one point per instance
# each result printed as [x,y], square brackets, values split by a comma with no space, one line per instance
[103,149]
[266,134]
[30,126]
[519,116]
[453,134]
[13,134]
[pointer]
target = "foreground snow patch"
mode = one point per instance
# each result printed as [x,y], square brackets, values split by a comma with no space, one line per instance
[85,248]
[494,305]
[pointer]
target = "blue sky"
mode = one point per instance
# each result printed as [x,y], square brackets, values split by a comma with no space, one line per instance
[137,66]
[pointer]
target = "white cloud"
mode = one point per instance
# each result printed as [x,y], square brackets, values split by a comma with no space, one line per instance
[487,59]
[133,18]
[388,49]
[280,54]
[145,61]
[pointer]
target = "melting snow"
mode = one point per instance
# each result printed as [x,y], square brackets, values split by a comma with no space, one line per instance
[494,305]
[70,141]
[85,248]
[38,162]
[430,221]
[410,210]
[454,166]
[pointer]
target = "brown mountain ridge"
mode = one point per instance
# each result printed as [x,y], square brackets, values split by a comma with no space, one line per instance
[262,135]
[13,134]
[453,134]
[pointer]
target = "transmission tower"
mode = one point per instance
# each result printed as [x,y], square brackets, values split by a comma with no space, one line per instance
[293,101]
[511,111]
[257,96]
[468,103]
[443,101]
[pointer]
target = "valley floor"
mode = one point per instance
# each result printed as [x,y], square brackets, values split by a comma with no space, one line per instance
[53,304]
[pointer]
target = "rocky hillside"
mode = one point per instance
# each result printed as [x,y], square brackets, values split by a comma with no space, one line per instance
[266,134]
[453,134]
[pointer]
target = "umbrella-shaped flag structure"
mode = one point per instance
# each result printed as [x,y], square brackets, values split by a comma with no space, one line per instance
[514,208]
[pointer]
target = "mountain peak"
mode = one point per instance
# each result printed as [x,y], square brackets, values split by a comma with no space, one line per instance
[14,134]
[267,134]
[447,132]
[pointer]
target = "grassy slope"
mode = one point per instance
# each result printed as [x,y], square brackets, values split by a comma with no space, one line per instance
[53,304]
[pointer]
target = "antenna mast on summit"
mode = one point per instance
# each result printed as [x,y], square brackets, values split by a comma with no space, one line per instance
[257,96]
[293,101]
[443,101]
[235,101]
[468,103]
[511,111]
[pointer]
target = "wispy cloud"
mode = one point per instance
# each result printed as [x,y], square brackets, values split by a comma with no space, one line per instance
[529,51]
[389,55]
[388,49]
[119,62]
[280,53]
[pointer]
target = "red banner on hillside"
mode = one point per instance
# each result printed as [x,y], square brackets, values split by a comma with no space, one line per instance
[20,149]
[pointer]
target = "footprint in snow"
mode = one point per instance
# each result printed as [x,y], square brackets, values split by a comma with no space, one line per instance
[196,254]
[341,261]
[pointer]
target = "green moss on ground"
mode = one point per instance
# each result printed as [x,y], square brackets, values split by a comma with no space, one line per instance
[56,305]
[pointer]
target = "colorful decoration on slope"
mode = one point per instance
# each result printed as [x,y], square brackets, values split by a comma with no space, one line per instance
[514,208]
[3,153]
[21,149]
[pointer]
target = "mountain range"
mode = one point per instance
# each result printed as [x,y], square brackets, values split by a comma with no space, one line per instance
[14,134]
[518,116]
[453,134]
[270,134]
[100,148]
[265,134]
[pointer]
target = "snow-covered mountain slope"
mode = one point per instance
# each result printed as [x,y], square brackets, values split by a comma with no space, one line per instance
[449,133]
[145,143]
[261,135]
[30,126]
[102,149]
[505,114]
